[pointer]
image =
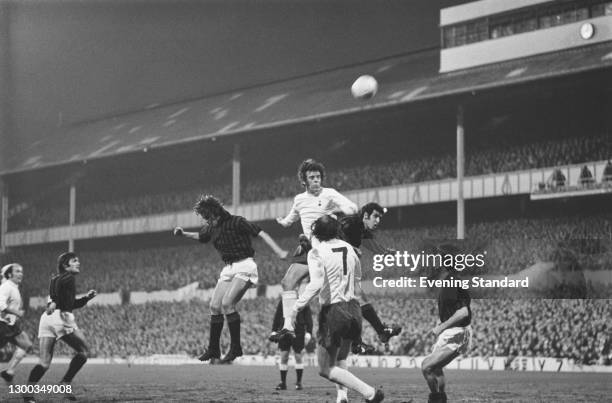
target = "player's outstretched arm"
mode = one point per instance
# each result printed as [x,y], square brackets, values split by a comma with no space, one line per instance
[280,252]
[292,217]
[81,302]
[317,275]
[16,312]
[357,263]
[343,205]
[180,232]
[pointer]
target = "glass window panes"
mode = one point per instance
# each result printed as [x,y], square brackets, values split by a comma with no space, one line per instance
[525,21]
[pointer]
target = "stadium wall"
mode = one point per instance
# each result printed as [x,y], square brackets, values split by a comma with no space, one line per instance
[522,364]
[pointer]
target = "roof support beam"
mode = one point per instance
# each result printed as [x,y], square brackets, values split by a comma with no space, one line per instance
[236,177]
[460,170]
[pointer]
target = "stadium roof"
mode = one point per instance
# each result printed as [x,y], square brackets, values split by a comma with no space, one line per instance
[402,79]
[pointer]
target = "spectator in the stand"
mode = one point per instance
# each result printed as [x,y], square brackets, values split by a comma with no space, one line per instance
[607,174]
[557,328]
[557,179]
[586,177]
[375,170]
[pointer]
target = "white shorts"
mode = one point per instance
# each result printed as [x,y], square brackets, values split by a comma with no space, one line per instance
[457,339]
[56,325]
[245,269]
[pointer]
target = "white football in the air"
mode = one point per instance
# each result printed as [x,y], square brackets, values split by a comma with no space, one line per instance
[364,87]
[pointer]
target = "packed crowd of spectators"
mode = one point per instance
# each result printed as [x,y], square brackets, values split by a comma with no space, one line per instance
[564,328]
[369,173]
[510,245]
[574,329]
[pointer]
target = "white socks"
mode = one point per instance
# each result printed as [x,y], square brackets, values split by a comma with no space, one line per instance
[342,390]
[15,360]
[289,299]
[344,377]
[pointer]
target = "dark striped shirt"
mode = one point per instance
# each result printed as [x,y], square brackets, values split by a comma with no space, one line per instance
[232,237]
[62,290]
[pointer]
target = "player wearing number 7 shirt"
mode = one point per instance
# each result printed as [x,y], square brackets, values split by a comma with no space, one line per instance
[335,274]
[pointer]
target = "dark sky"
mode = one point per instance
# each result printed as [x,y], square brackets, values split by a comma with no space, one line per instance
[69,61]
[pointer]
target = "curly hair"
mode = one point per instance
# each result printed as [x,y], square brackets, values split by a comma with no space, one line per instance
[310,165]
[209,206]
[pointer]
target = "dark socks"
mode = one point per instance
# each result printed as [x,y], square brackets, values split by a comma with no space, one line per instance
[370,315]
[233,322]
[278,321]
[216,327]
[37,372]
[437,397]
[76,363]
[298,373]
[283,377]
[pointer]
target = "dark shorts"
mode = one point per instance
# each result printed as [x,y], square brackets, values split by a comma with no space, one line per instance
[301,252]
[300,255]
[8,332]
[339,321]
[297,343]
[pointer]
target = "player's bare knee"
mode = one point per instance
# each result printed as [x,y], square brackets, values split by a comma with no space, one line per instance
[287,283]
[215,308]
[21,352]
[228,306]
[324,372]
[428,367]
[294,275]
[24,346]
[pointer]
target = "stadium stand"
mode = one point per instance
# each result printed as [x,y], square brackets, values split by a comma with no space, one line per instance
[512,245]
[100,204]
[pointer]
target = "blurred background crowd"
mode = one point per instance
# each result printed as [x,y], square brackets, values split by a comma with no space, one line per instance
[511,246]
[574,329]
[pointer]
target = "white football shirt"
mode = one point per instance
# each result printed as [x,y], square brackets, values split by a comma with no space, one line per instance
[308,208]
[10,297]
[333,267]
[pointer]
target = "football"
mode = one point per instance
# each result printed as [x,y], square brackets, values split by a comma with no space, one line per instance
[365,87]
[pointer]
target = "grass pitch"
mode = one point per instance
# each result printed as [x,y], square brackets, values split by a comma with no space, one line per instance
[233,383]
